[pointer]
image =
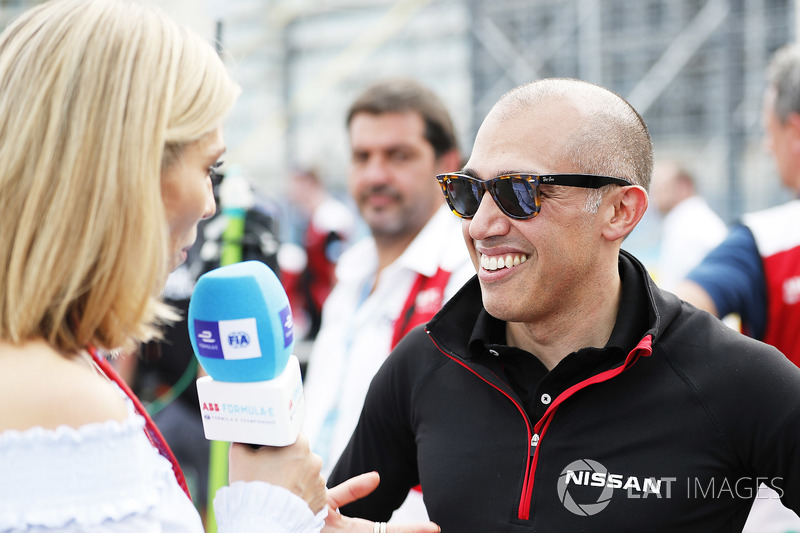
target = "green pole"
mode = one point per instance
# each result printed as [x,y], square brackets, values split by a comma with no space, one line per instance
[218,450]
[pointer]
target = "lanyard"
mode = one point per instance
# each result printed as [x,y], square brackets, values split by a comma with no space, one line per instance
[153,434]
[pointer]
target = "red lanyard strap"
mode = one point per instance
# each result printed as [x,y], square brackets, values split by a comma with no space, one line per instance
[153,434]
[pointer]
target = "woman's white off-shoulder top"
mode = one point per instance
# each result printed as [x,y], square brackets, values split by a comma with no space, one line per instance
[108,477]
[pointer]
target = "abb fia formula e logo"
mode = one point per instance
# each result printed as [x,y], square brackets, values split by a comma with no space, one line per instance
[228,339]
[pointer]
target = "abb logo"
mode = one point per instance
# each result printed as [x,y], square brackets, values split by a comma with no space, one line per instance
[210,406]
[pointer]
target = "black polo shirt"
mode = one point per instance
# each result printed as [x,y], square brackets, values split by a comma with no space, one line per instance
[530,379]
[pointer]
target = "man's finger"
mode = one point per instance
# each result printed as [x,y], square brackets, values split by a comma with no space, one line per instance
[353,489]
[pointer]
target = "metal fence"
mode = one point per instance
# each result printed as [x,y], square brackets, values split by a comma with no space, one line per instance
[693,68]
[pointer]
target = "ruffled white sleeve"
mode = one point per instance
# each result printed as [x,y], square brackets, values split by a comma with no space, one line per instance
[99,477]
[258,506]
[107,477]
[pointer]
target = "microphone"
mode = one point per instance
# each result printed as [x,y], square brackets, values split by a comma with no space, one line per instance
[240,325]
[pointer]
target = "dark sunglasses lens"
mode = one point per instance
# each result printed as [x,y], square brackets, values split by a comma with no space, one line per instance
[516,197]
[464,196]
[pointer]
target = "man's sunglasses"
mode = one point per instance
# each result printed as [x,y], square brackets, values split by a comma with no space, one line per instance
[517,195]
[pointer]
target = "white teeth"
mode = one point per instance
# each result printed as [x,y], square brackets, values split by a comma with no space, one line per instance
[496,263]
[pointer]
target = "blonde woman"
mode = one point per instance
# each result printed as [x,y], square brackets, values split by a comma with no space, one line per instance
[110,126]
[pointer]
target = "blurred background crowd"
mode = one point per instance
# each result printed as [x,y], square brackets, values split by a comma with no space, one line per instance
[693,68]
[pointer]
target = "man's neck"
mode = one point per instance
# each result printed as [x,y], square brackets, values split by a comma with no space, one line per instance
[391,246]
[555,336]
[388,250]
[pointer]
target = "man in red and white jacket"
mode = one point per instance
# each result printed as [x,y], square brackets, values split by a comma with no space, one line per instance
[413,260]
[755,271]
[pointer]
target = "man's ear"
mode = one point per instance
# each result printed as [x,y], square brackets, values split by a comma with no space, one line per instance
[628,207]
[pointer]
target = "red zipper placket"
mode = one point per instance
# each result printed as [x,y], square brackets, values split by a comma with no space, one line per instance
[644,348]
[512,400]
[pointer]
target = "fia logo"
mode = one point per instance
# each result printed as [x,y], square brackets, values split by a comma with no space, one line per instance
[208,406]
[238,339]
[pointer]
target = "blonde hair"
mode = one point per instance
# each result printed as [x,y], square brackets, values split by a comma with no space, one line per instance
[96,98]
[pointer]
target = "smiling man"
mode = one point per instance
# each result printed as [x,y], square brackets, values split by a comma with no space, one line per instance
[400,136]
[562,390]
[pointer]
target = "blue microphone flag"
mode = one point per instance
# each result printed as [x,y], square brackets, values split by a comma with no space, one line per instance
[240,323]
